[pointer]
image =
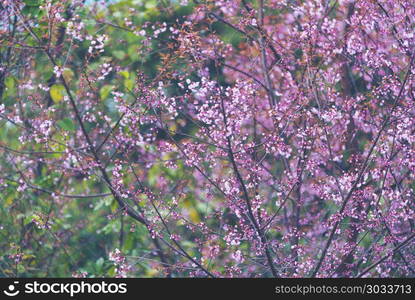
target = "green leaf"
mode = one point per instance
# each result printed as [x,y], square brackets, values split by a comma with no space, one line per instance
[124,74]
[57,92]
[133,52]
[119,54]
[105,91]
[30,10]
[99,263]
[10,82]
[129,84]
[32,2]
[68,74]
[66,124]
[150,4]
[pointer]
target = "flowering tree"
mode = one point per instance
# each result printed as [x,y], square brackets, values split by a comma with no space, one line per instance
[237,138]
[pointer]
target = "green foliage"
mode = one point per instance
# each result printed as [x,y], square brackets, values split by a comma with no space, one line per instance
[57,235]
